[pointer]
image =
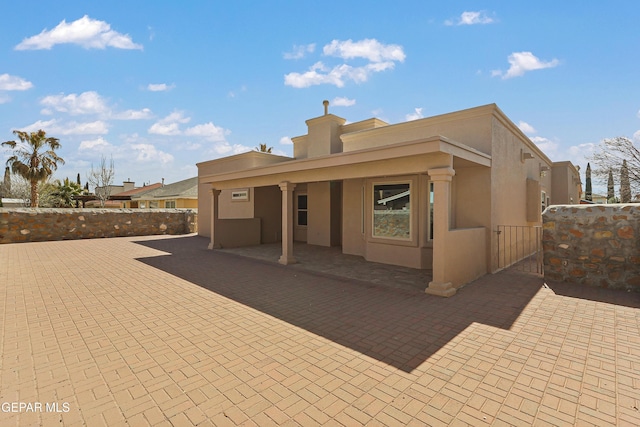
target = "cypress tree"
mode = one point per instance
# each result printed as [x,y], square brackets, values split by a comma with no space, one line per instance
[625,185]
[588,195]
[611,195]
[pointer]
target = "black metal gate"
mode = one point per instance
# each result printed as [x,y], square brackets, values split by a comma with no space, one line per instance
[520,246]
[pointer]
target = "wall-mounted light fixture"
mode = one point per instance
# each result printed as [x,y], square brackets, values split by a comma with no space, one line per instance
[543,170]
[525,156]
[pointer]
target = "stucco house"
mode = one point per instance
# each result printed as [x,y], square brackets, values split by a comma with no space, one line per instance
[181,195]
[425,194]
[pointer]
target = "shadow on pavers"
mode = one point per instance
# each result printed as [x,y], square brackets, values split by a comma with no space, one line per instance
[397,327]
[609,296]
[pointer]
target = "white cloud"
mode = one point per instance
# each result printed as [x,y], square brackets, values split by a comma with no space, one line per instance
[85,103]
[229,149]
[149,153]
[547,146]
[320,74]
[169,125]
[98,144]
[471,18]
[160,87]
[165,129]
[285,140]
[88,103]
[521,62]
[86,32]
[526,127]
[582,149]
[381,57]
[417,114]
[299,51]
[8,82]
[145,113]
[209,131]
[636,136]
[53,127]
[370,49]
[342,101]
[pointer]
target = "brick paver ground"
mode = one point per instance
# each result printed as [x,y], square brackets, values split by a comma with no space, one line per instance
[161,331]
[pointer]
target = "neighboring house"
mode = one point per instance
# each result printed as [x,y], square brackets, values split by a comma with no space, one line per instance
[595,198]
[425,194]
[179,195]
[125,198]
[117,194]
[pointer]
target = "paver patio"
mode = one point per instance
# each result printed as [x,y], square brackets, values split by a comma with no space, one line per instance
[160,331]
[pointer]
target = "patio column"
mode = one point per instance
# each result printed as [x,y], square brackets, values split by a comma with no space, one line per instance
[214,243]
[287,223]
[441,178]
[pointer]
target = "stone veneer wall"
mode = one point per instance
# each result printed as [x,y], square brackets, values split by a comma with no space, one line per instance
[43,224]
[597,245]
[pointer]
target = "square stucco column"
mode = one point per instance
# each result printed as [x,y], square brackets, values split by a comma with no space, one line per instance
[215,242]
[441,178]
[287,223]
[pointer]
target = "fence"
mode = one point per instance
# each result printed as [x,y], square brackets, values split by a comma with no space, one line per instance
[520,246]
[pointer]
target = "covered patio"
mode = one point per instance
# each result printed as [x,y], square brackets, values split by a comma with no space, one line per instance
[454,256]
[331,261]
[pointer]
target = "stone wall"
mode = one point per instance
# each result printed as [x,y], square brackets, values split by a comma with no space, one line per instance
[597,245]
[37,225]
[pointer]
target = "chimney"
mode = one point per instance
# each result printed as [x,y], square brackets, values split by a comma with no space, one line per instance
[326,107]
[163,182]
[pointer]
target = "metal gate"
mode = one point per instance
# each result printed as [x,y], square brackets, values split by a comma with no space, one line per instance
[520,246]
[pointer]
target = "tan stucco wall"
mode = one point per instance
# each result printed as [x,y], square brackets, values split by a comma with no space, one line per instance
[565,184]
[268,207]
[236,208]
[323,135]
[472,129]
[233,233]
[509,176]
[232,163]
[324,202]
[353,242]
[466,255]
[319,213]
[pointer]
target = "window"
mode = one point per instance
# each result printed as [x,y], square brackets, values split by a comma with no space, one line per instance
[143,205]
[302,209]
[153,205]
[392,211]
[170,204]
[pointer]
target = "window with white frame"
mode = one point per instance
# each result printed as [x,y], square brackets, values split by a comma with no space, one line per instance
[302,210]
[392,211]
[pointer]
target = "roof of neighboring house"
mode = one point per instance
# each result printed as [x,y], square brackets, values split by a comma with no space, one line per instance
[141,190]
[186,189]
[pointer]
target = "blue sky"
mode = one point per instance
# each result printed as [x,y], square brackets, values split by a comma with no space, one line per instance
[162,85]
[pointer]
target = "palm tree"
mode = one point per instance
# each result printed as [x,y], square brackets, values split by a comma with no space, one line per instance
[64,191]
[34,158]
[263,148]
